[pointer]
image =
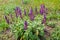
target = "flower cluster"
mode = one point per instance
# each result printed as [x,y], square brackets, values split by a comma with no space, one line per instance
[42,9]
[43,12]
[31,14]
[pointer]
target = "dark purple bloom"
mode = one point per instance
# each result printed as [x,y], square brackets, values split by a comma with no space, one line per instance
[31,15]
[44,20]
[18,12]
[42,9]
[31,11]
[42,6]
[24,12]
[5,17]
[25,25]
[7,20]
[45,17]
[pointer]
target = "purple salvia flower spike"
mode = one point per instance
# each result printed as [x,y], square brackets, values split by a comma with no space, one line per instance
[31,11]
[42,6]
[41,12]
[42,9]
[7,20]
[17,11]
[5,17]
[45,17]
[25,25]
[44,20]
[31,15]
[20,13]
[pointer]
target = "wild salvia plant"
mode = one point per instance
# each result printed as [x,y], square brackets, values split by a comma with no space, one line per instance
[26,29]
[43,12]
[18,12]
[31,15]
[42,9]
[44,20]
[25,25]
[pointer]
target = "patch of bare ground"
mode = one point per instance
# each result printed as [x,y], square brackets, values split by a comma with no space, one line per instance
[7,35]
[48,30]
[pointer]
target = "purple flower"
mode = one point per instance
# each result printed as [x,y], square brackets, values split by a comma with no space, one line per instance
[44,20]
[5,17]
[42,6]
[24,12]
[31,11]
[18,12]
[45,17]
[42,9]
[25,25]
[7,20]
[31,15]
